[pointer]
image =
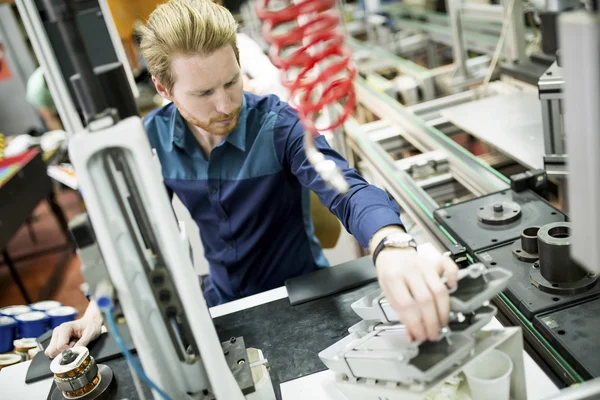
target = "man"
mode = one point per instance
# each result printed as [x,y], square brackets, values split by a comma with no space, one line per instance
[237,162]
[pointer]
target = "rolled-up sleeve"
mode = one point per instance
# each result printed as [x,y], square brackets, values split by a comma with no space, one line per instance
[363,210]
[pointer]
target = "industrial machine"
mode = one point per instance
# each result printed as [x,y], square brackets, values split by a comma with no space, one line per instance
[137,262]
[377,361]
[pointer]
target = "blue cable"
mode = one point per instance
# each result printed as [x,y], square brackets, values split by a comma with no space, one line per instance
[105,305]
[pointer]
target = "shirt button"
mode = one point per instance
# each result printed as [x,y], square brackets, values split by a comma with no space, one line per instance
[213,190]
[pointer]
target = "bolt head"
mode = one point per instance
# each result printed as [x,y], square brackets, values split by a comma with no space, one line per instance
[68,357]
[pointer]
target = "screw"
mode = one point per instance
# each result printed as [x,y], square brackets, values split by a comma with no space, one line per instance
[536,265]
[164,296]
[241,362]
[232,340]
[445,333]
[226,352]
[498,207]
[68,357]
[158,280]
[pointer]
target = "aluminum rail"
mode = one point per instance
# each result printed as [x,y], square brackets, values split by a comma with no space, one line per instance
[412,198]
[421,74]
[419,205]
[474,174]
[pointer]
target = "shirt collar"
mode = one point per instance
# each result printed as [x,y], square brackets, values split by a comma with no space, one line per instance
[181,134]
[237,137]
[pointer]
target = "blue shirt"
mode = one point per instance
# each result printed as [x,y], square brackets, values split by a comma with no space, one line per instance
[250,199]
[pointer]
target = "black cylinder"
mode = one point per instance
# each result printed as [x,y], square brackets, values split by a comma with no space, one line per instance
[115,88]
[554,242]
[529,241]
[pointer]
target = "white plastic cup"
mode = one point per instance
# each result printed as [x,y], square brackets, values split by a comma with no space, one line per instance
[489,376]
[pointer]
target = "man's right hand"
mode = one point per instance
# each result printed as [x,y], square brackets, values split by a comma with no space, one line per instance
[74,333]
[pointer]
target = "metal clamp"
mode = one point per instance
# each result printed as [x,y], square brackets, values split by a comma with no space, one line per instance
[473,271]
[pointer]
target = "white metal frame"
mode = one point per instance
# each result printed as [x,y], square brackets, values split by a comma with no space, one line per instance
[128,276]
[47,59]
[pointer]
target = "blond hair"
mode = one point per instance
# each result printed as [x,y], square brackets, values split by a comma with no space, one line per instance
[185,27]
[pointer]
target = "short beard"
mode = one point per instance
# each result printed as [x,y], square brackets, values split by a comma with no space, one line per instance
[212,126]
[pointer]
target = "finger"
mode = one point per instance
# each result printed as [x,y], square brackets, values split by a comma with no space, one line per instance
[64,338]
[86,338]
[440,294]
[424,298]
[60,337]
[406,308]
[450,271]
[51,349]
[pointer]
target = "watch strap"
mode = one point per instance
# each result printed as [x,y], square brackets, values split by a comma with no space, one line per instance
[382,245]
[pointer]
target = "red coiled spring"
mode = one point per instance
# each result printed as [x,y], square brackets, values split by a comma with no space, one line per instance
[314,41]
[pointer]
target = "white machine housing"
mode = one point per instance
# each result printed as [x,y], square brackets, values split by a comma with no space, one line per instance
[150,336]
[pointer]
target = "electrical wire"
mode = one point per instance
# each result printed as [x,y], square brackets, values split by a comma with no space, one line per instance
[133,363]
[499,46]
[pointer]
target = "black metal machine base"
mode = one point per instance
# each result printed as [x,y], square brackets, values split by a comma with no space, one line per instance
[464,222]
[573,332]
[521,292]
[569,288]
[237,358]
[101,392]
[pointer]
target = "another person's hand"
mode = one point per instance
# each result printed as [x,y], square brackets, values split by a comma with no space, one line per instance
[76,333]
[414,288]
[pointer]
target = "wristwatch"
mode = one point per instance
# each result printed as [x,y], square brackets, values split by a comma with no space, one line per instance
[399,240]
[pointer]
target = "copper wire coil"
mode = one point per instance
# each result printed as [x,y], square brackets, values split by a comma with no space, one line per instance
[84,390]
[82,379]
[77,371]
[24,349]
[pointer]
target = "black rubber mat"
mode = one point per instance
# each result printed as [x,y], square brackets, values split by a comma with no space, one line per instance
[328,281]
[291,337]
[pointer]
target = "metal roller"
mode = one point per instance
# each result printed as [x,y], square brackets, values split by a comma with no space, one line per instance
[526,248]
[556,272]
[554,241]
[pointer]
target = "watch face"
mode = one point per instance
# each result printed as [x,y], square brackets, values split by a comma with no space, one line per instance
[399,239]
